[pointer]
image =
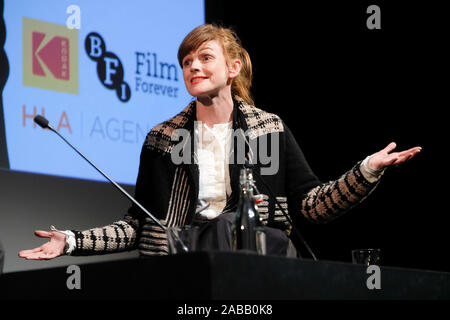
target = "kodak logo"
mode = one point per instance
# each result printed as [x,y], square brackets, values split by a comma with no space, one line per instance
[50,56]
[55,55]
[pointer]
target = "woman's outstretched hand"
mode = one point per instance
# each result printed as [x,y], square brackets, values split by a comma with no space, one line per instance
[384,158]
[49,250]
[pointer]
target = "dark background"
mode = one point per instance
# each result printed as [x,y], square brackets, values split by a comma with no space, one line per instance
[345,92]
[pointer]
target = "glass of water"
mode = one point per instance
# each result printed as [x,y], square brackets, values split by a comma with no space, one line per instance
[182,239]
[366,257]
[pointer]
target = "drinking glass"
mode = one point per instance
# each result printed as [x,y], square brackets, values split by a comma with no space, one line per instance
[366,256]
[182,239]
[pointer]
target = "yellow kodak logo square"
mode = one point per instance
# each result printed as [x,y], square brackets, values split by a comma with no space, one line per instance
[49,56]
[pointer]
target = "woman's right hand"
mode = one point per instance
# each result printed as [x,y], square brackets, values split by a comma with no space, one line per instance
[49,250]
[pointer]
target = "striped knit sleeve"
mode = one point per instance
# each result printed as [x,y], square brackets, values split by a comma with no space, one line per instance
[153,239]
[332,199]
[119,236]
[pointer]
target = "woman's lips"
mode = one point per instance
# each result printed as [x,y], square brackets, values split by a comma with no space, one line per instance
[197,79]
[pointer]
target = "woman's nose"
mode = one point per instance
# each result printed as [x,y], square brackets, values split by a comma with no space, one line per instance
[195,65]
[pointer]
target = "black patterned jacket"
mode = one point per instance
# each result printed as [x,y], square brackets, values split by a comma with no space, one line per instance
[170,191]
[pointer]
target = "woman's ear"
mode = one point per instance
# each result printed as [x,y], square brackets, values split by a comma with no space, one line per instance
[234,68]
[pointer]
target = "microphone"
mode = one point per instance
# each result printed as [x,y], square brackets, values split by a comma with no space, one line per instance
[43,122]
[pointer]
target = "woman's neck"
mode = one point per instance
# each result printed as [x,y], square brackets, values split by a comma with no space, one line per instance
[215,110]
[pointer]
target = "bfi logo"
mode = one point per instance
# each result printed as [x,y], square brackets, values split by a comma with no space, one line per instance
[109,67]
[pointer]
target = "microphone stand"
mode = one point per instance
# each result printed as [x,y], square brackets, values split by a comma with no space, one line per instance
[43,122]
[286,216]
[294,228]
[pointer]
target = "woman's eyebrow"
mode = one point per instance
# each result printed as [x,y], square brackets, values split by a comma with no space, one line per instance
[199,50]
[206,48]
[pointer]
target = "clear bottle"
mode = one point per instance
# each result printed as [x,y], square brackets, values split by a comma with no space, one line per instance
[248,232]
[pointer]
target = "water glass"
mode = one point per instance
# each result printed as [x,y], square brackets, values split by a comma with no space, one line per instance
[366,257]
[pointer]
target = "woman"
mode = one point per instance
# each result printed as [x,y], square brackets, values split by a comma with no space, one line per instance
[217,72]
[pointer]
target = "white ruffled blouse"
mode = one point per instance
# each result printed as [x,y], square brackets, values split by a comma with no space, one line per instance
[213,146]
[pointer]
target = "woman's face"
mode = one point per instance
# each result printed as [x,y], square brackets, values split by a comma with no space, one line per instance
[205,70]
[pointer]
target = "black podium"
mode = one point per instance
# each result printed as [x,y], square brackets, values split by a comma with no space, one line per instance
[224,276]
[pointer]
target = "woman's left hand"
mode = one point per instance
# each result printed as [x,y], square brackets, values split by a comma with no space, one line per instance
[384,158]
